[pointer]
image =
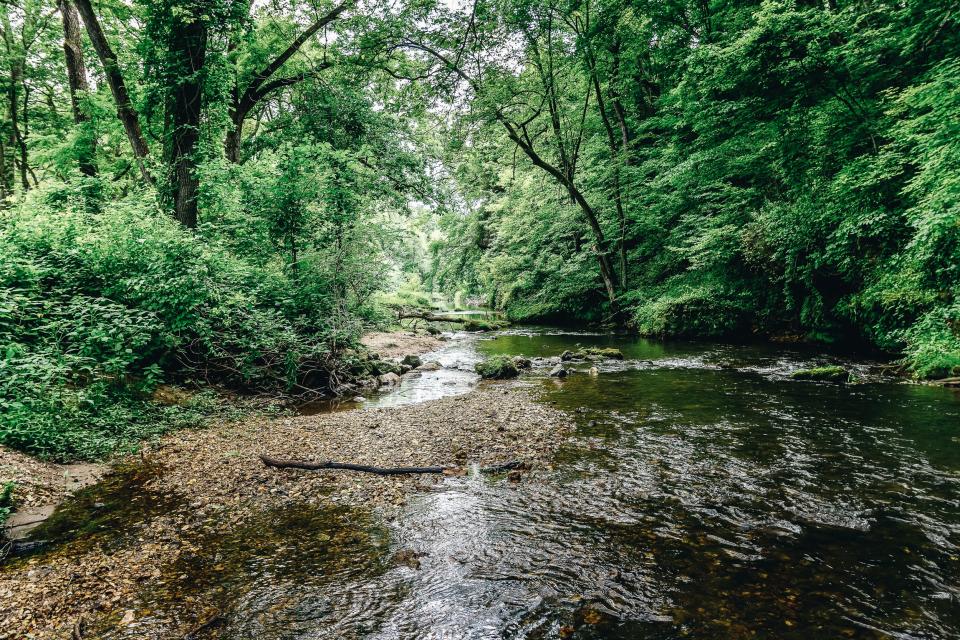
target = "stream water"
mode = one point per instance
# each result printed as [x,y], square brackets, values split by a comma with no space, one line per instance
[704,494]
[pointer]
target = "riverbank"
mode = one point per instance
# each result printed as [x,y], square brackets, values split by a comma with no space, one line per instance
[203,484]
[40,486]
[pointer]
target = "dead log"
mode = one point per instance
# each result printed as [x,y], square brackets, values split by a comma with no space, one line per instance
[429,317]
[329,464]
[514,465]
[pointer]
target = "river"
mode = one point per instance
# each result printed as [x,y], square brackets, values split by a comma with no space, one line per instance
[705,494]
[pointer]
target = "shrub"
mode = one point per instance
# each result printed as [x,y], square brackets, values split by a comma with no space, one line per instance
[97,309]
[6,501]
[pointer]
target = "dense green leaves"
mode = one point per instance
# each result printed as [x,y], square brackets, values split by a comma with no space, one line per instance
[783,167]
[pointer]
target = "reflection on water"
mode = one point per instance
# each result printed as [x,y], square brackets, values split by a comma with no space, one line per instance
[705,495]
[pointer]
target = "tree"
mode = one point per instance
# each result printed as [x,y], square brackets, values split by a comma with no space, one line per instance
[126,112]
[262,82]
[77,81]
[529,90]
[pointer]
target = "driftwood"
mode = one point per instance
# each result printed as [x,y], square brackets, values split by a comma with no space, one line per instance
[386,471]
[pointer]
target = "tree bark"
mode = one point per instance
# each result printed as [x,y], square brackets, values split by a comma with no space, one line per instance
[189,48]
[77,80]
[125,110]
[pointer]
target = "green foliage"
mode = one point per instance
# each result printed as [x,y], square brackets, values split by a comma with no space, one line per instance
[773,176]
[6,501]
[826,374]
[100,308]
[497,368]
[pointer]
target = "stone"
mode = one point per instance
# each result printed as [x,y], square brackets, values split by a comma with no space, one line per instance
[522,363]
[497,368]
[822,374]
[389,379]
[411,361]
[559,371]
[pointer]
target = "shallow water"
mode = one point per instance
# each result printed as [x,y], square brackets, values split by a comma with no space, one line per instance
[705,494]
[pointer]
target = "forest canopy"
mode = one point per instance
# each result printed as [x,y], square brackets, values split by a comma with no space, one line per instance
[224,192]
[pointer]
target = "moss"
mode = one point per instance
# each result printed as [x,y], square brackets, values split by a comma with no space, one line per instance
[827,374]
[609,353]
[497,368]
[483,325]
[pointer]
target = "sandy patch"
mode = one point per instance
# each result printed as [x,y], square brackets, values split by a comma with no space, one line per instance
[396,344]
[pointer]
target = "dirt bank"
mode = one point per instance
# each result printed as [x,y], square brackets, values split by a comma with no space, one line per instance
[40,486]
[197,485]
[396,344]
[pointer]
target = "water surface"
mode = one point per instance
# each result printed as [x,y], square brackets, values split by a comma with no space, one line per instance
[704,494]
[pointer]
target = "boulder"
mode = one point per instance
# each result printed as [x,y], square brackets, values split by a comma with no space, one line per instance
[823,374]
[559,371]
[522,363]
[411,361]
[429,366]
[607,353]
[497,368]
[389,379]
[567,356]
[380,367]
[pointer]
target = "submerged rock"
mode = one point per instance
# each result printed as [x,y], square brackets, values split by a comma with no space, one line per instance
[608,353]
[497,368]
[522,363]
[592,353]
[823,374]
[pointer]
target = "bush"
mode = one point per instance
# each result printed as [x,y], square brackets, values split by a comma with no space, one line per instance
[6,501]
[97,309]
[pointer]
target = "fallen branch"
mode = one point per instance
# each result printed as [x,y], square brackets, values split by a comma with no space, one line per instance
[380,471]
[430,317]
[386,471]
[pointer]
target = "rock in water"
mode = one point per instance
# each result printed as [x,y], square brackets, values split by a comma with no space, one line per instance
[497,368]
[411,361]
[566,356]
[521,363]
[823,374]
[389,379]
[559,371]
[429,366]
[594,371]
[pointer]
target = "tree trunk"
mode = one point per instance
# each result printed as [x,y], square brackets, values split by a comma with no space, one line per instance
[231,143]
[125,110]
[77,79]
[6,175]
[188,48]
